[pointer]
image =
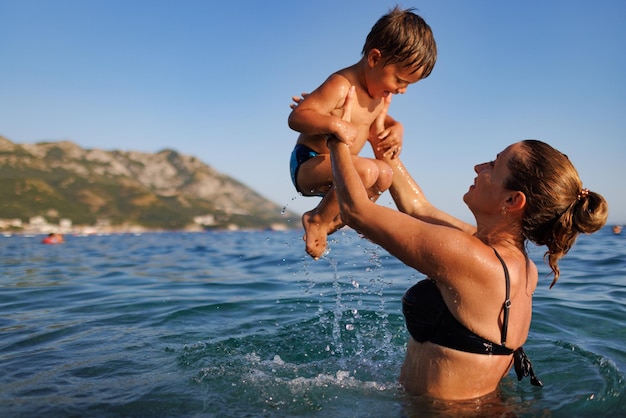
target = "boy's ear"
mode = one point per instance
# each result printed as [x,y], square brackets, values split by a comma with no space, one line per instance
[374,57]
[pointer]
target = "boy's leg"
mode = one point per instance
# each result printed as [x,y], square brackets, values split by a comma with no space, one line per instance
[321,222]
[325,218]
[315,179]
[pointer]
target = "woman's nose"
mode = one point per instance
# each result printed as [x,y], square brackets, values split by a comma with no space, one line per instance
[479,167]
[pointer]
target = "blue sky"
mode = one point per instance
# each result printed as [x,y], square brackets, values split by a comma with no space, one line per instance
[214,79]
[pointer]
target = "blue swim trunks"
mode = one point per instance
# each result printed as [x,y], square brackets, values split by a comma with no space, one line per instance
[301,154]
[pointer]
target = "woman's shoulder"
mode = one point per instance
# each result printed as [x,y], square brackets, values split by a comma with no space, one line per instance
[482,270]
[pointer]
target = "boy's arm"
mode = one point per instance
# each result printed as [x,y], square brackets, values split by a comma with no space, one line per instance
[313,114]
[386,133]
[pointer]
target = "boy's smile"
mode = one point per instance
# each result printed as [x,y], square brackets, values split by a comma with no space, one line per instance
[386,79]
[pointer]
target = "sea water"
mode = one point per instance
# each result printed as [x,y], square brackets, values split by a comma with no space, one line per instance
[245,324]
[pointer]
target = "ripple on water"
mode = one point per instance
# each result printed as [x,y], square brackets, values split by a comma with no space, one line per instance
[245,324]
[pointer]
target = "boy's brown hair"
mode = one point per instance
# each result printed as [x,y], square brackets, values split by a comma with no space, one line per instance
[403,38]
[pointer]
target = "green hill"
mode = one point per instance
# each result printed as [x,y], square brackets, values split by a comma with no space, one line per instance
[166,190]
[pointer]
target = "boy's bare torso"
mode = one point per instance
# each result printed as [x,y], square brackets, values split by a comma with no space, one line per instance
[364,112]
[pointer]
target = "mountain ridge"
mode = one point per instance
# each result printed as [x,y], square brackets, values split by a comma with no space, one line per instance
[162,190]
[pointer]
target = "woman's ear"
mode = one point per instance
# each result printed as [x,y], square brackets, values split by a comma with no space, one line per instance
[516,201]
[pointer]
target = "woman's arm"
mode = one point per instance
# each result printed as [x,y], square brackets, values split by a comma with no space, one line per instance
[405,191]
[433,249]
[410,199]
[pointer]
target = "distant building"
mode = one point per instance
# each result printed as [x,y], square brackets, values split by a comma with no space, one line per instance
[65,225]
[10,223]
[205,220]
[37,222]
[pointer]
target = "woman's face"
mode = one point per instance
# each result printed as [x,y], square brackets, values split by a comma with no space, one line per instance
[488,192]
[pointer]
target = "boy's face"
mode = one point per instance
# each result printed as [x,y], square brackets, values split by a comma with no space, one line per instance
[391,78]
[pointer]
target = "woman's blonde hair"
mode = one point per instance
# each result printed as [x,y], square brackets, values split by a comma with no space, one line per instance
[558,208]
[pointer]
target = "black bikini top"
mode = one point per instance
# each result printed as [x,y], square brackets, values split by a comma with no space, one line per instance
[429,319]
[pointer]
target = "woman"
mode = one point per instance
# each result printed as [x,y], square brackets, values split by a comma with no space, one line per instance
[470,318]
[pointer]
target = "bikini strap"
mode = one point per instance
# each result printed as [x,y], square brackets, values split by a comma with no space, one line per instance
[507,301]
[522,364]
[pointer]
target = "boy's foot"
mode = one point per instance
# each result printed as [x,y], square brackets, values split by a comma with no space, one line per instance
[314,235]
[336,225]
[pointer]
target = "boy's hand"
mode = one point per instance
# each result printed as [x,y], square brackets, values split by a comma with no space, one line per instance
[390,140]
[386,133]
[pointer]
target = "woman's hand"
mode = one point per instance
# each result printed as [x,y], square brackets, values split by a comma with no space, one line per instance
[345,132]
[345,117]
[347,106]
[297,100]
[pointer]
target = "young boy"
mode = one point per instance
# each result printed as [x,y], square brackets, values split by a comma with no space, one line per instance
[399,50]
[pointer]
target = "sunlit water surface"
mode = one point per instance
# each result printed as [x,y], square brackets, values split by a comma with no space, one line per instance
[236,324]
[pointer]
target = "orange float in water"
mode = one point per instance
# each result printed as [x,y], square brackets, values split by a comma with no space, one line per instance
[53,239]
